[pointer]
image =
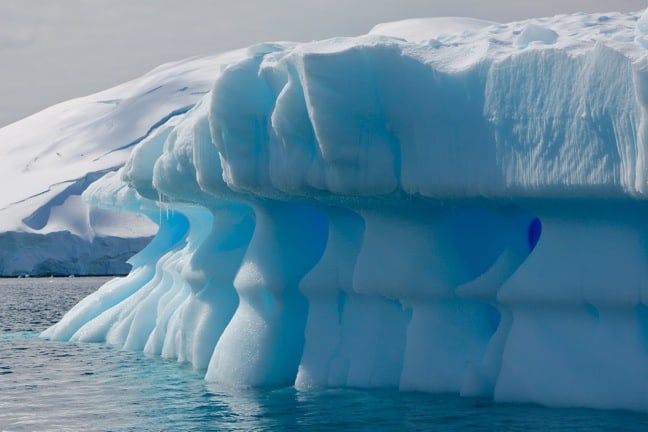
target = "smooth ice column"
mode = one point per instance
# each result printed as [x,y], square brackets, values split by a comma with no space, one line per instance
[263,343]
[452,338]
[138,317]
[370,352]
[402,259]
[110,294]
[175,288]
[418,255]
[577,336]
[443,339]
[93,317]
[326,287]
[173,291]
[210,273]
[522,237]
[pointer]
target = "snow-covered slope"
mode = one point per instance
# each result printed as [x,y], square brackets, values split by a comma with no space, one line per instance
[50,158]
[440,205]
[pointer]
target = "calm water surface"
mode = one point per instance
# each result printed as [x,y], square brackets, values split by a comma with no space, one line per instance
[53,386]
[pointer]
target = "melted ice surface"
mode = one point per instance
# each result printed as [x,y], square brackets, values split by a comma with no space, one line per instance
[440,205]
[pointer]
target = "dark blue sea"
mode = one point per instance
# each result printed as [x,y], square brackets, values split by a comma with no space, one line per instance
[54,386]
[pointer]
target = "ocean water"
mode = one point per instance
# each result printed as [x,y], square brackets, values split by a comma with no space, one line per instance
[54,386]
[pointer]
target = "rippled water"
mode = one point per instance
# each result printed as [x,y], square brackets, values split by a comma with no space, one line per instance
[53,386]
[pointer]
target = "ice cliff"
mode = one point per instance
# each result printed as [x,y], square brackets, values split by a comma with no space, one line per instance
[443,205]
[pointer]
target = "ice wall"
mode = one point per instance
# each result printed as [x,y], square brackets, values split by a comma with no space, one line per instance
[457,212]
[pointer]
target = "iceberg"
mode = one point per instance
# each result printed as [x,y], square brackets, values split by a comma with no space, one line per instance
[443,205]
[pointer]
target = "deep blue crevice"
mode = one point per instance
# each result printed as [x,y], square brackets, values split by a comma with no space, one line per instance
[535,230]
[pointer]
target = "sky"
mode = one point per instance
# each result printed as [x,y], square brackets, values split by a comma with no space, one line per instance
[54,50]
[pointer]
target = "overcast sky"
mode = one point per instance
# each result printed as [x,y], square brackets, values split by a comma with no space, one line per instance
[53,50]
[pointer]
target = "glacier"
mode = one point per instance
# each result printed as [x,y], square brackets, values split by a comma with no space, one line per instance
[50,158]
[442,205]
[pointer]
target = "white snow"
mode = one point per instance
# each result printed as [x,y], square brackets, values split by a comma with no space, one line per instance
[426,29]
[51,157]
[440,205]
